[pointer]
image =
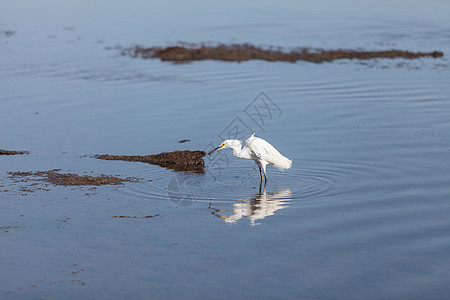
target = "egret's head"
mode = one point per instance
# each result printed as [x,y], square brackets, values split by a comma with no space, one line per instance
[226,144]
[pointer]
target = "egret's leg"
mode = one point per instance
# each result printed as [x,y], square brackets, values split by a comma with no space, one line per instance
[261,191]
[264,169]
[260,172]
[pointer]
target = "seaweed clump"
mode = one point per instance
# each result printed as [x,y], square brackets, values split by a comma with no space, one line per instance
[177,160]
[245,52]
[12,152]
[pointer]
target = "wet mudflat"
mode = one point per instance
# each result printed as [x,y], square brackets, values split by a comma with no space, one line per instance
[363,212]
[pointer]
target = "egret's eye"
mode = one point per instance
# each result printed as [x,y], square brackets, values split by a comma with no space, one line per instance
[223,145]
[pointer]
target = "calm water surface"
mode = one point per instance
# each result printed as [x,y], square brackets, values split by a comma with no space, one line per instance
[363,213]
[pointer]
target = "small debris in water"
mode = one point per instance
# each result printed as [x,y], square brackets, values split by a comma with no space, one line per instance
[183,141]
[7,33]
[245,52]
[7,228]
[135,217]
[177,160]
[12,152]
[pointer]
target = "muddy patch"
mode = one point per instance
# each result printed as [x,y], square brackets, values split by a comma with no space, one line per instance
[70,179]
[12,152]
[245,52]
[29,182]
[177,160]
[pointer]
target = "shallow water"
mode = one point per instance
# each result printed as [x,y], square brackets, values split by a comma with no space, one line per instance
[363,212]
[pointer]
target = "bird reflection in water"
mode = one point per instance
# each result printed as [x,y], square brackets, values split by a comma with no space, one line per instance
[257,207]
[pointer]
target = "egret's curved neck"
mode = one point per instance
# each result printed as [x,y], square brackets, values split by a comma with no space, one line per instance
[238,151]
[236,147]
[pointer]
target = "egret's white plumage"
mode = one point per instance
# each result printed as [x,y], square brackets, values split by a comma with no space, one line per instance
[258,150]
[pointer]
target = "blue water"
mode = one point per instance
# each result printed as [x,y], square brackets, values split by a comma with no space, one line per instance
[363,212]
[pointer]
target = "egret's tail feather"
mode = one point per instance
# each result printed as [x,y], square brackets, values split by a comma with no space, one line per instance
[287,164]
[283,163]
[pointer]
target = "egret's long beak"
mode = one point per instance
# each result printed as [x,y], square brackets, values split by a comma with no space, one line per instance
[214,150]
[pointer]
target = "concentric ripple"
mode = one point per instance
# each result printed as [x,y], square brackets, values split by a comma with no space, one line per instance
[239,181]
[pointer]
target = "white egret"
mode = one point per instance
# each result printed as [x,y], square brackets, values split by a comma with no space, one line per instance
[259,151]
